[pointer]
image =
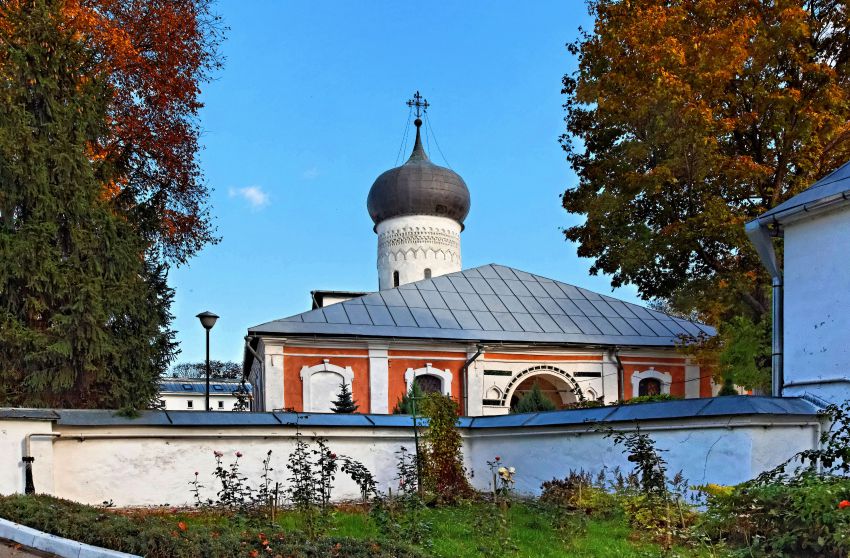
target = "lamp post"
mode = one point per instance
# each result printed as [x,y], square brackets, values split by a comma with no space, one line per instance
[208,320]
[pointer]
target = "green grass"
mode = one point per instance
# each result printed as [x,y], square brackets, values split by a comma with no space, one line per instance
[457,532]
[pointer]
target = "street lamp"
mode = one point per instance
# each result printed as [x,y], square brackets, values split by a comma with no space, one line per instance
[208,320]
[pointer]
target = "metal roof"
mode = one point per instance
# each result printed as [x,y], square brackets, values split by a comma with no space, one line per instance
[183,385]
[832,187]
[491,303]
[742,405]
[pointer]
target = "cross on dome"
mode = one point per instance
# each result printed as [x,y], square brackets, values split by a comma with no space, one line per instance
[421,105]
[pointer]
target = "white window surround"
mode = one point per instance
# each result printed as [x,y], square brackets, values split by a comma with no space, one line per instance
[663,377]
[346,376]
[444,375]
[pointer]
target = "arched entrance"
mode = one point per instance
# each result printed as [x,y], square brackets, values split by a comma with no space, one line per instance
[557,385]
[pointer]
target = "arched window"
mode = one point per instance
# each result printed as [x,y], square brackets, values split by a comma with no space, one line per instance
[651,382]
[429,383]
[649,386]
[429,379]
[395,278]
[427,273]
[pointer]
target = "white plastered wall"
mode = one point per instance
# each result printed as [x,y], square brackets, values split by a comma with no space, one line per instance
[817,305]
[411,244]
[13,447]
[152,465]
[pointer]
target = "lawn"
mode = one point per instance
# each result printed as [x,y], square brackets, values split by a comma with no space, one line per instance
[457,534]
[462,531]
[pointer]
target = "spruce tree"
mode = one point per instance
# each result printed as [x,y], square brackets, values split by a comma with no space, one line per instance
[83,313]
[344,401]
[534,401]
[404,406]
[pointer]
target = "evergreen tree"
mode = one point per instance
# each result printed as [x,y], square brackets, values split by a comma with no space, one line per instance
[83,313]
[405,404]
[344,401]
[533,401]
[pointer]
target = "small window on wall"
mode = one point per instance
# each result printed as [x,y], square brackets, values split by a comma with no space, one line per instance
[395,278]
[429,384]
[221,404]
[649,386]
[188,404]
[427,273]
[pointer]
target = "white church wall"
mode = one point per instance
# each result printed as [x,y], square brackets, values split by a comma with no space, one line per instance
[411,244]
[152,465]
[817,306]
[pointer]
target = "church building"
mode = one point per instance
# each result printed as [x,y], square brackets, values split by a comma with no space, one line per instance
[483,336]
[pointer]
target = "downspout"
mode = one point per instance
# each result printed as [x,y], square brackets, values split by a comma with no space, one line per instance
[28,459]
[464,371]
[762,238]
[621,375]
[249,348]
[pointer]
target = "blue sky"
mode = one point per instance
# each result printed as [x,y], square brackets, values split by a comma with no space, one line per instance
[309,110]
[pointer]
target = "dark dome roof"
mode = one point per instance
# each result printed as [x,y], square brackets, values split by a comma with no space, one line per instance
[418,187]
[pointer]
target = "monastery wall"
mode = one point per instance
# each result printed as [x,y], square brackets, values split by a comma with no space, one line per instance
[92,456]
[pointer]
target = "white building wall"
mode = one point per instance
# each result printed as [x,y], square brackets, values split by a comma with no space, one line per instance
[180,401]
[817,306]
[413,243]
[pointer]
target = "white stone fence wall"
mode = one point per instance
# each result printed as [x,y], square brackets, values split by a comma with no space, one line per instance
[95,456]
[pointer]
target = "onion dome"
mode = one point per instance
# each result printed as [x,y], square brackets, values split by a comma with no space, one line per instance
[418,187]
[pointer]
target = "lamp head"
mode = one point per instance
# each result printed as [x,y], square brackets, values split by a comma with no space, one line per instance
[208,319]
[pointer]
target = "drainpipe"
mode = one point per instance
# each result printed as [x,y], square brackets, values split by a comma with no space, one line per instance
[465,375]
[762,238]
[28,459]
[777,364]
[621,375]
[254,393]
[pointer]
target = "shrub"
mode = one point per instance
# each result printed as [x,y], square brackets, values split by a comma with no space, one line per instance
[800,518]
[650,399]
[580,492]
[175,535]
[443,471]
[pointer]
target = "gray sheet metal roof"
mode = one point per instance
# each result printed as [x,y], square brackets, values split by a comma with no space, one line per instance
[182,385]
[491,303]
[742,405]
[832,187]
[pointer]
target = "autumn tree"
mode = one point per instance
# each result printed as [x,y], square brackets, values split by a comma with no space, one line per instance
[83,315]
[154,56]
[686,119]
[101,193]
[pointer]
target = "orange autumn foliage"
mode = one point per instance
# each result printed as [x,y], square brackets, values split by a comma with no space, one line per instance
[154,55]
[688,118]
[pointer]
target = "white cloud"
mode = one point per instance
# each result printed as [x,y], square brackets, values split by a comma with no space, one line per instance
[310,174]
[254,195]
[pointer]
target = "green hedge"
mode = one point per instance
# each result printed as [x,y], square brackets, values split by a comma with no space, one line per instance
[178,535]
